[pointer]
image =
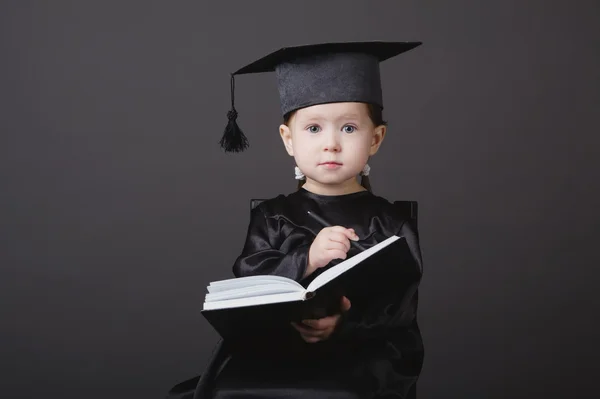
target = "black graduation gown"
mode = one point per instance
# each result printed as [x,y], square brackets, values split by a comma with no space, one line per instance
[374,352]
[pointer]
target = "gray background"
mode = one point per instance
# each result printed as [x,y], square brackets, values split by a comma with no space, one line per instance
[117,207]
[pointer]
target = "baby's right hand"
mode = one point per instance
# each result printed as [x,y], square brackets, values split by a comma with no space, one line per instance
[331,243]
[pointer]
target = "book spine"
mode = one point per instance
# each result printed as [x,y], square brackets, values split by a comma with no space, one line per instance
[308,295]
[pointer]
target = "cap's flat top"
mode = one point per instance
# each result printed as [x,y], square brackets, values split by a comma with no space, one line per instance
[381,50]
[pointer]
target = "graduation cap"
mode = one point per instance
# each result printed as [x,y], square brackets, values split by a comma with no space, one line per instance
[318,74]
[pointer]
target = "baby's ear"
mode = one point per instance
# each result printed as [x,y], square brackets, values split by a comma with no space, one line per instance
[286,136]
[378,136]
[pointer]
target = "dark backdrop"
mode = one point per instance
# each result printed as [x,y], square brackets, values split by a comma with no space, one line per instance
[117,207]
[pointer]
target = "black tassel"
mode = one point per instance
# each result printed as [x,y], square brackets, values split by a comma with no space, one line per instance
[233,139]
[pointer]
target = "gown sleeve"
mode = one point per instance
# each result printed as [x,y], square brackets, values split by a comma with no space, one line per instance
[263,253]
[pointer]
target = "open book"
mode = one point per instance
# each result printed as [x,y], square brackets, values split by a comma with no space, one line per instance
[259,303]
[265,289]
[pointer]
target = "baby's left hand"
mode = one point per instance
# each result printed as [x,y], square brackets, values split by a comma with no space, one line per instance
[320,329]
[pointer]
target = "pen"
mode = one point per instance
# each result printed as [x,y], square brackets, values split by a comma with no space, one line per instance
[325,224]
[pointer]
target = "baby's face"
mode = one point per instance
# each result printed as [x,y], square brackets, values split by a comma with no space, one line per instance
[331,143]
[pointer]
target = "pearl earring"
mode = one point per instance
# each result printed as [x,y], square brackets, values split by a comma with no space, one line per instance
[299,174]
[366,170]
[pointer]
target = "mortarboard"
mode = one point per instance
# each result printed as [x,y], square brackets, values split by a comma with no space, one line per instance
[318,74]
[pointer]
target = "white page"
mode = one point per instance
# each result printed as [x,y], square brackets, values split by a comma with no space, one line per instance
[222,285]
[256,290]
[340,268]
[256,300]
[253,283]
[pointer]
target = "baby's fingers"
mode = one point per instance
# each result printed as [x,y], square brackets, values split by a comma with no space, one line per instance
[349,233]
[342,246]
[336,254]
[320,324]
[346,305]
[306,330]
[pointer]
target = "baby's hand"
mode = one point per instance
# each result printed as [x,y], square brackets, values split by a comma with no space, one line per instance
[318,330]
[331,243]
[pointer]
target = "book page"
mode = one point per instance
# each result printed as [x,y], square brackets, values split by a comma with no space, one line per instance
[255,290]
[233,283]
[340,268]
[256,300]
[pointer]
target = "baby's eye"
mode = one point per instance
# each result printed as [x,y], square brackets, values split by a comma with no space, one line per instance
[349,129]
[314,129]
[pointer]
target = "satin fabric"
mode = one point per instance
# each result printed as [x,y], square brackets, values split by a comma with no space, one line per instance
[376,351]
